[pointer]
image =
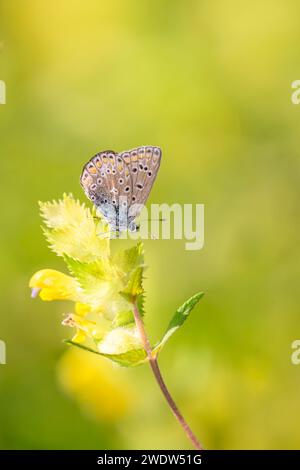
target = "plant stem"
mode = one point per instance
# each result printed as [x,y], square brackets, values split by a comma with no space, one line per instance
[157,374]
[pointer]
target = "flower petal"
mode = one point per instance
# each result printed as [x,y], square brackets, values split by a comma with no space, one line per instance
[54,285]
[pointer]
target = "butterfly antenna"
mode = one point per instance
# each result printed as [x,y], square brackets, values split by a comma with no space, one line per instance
[153,220]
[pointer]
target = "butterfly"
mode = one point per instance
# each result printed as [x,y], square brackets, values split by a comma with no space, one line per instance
[119,183]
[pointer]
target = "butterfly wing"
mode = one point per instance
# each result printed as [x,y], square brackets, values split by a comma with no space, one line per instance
[105,178]
[143,164]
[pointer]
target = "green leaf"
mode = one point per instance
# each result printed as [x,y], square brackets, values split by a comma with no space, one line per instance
[123,318]
[134,285]
[131,358]
[127,260]
[178,319]
[130,265]
[87,273]
[140,303]
[122,343]
[94,278]
[100,284]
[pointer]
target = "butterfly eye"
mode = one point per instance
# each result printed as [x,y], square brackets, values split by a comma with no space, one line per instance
[141,166]
[105,201]
[139,186]
[133,198]
[114,172]
[102,173]
[93,187]
[149,173]
[134,170]
[156,151]
[127,189]
[93,198]
[119,159]
[145,168]
[108,170]
[124,204]
[99,181]
[121,181]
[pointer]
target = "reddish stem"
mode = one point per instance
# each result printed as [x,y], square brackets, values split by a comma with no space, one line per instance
[157,374]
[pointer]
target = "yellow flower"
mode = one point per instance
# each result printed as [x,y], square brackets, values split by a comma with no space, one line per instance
[82,309]
[84,328]
[54,285]
[103,392]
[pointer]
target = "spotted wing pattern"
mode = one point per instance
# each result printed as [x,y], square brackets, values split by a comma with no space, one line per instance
[105,178]
[143,164]
[130,175]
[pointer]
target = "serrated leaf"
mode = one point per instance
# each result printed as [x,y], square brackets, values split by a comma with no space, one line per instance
[100,285]
[88,272]
[63,213]
[128,260]
[134,285]
[140,303]
[131,358]
[72,230]
[178,319]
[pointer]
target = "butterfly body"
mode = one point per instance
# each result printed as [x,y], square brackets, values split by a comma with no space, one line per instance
[119,183]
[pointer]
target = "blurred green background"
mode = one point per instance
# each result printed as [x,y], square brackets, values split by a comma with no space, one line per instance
[210,82]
